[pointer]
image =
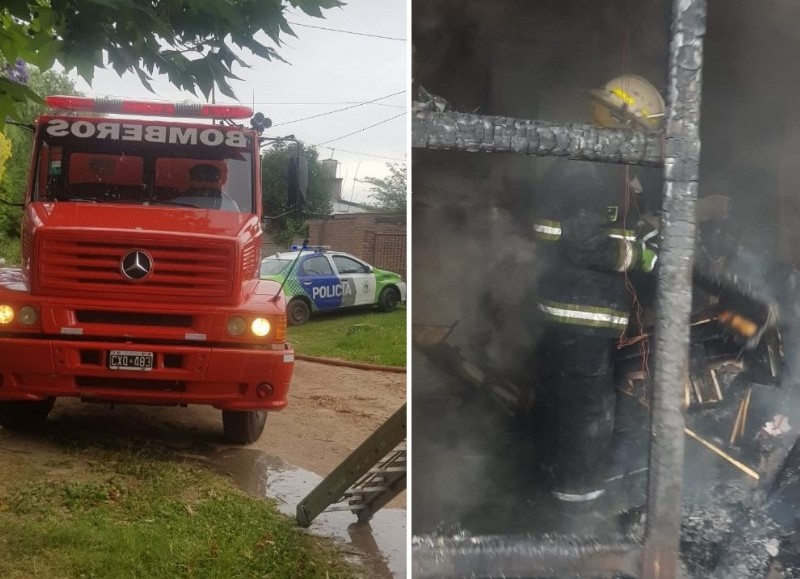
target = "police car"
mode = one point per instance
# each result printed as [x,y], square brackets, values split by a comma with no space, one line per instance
[316,279]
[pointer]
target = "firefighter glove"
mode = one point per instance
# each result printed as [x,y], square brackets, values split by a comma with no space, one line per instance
[647,258]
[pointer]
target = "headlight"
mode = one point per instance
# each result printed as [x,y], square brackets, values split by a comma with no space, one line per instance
[28,315]
[6,314]
[236,326]
[260,327]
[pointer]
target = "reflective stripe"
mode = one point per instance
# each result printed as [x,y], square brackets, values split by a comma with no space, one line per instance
[551,231]
[627,253]
[547,232]
[585,315]
[623,96]
[576,498]
[625,234]
[650,235]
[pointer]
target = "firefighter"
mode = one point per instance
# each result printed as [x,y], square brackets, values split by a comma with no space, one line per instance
[205,181]
[593,236]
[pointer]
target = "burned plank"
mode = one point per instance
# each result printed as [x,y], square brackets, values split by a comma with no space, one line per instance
[521,556]
[497,134]
[674,292]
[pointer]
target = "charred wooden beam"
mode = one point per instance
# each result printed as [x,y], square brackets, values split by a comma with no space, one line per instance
[494,134]
[521,556]
[674,293]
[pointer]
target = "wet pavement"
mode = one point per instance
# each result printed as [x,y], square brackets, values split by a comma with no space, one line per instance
[380,545]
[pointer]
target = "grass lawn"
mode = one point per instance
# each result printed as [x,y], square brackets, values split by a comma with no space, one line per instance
[121,514]
[361,336]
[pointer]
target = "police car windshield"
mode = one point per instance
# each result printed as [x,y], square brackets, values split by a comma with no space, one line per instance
[274,266]
[145,163]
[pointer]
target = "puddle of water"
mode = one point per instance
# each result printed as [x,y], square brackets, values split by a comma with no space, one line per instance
[379,544]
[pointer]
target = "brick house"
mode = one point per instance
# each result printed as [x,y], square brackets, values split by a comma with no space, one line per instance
[377,238]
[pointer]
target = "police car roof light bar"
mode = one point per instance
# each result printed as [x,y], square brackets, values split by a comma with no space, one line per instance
[143,107]
[312,248]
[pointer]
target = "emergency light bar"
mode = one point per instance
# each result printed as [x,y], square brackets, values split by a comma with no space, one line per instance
[155,108]
[309,248]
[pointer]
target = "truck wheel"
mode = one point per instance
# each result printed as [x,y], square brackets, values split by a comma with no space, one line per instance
[243,427]
[297,312]
[388,299]
[19,414]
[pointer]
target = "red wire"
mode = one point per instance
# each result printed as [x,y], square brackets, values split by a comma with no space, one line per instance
[636,306]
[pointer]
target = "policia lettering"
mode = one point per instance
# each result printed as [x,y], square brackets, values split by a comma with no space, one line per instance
[328,293]
[332,291]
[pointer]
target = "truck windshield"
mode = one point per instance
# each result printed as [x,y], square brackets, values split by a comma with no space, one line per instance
[121,161]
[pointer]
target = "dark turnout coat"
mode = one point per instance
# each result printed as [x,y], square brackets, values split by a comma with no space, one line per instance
[589,234]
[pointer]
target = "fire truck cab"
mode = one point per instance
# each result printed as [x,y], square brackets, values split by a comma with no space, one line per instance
[139,278]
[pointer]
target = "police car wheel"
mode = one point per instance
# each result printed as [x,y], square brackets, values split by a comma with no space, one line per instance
[297,312]
[388,299]
[243,427]
[18,414]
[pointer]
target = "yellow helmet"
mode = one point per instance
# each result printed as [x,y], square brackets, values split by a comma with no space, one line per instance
[628,101]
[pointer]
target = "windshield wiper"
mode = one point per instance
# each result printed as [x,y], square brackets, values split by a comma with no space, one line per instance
[92,199]
[178,203]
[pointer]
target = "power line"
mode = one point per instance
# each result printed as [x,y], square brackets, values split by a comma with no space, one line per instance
[326,103]
[348,32]
[332,149]
[339,110]
[360,130]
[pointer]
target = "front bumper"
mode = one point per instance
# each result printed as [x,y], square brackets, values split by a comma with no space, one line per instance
[224,377]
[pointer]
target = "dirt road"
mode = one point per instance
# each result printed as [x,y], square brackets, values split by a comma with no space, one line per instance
[331,411]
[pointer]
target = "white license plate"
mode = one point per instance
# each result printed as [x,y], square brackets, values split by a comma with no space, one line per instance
[130,360]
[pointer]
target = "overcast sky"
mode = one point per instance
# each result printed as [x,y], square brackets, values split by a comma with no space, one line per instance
[327,70]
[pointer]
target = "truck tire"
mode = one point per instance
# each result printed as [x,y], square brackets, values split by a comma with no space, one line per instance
[297,312]
[243,427]
[388,299]
[19,414]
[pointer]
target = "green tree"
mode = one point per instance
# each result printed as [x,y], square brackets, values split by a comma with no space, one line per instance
[284,223]
[15,178]
[191,41]
[389,192]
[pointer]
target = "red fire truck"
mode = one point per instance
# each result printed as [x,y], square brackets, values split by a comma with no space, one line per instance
[139,280]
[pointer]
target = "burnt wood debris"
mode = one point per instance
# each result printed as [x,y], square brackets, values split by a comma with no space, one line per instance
[670,526]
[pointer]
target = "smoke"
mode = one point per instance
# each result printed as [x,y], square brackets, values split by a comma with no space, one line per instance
[472,254]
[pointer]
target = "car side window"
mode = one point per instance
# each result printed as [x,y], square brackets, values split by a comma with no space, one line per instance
[315,265]
[347,265]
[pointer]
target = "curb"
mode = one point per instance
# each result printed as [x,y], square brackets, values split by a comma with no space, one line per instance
[345,363]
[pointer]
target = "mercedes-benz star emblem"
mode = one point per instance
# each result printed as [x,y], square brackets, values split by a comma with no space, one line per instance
[136,264]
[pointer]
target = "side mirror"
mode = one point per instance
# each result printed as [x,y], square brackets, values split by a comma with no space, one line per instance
[297,176]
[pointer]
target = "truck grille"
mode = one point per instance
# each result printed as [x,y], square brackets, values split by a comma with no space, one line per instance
[133,319]
[193,271]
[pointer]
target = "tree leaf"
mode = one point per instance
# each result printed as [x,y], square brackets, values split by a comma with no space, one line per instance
[152,37]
